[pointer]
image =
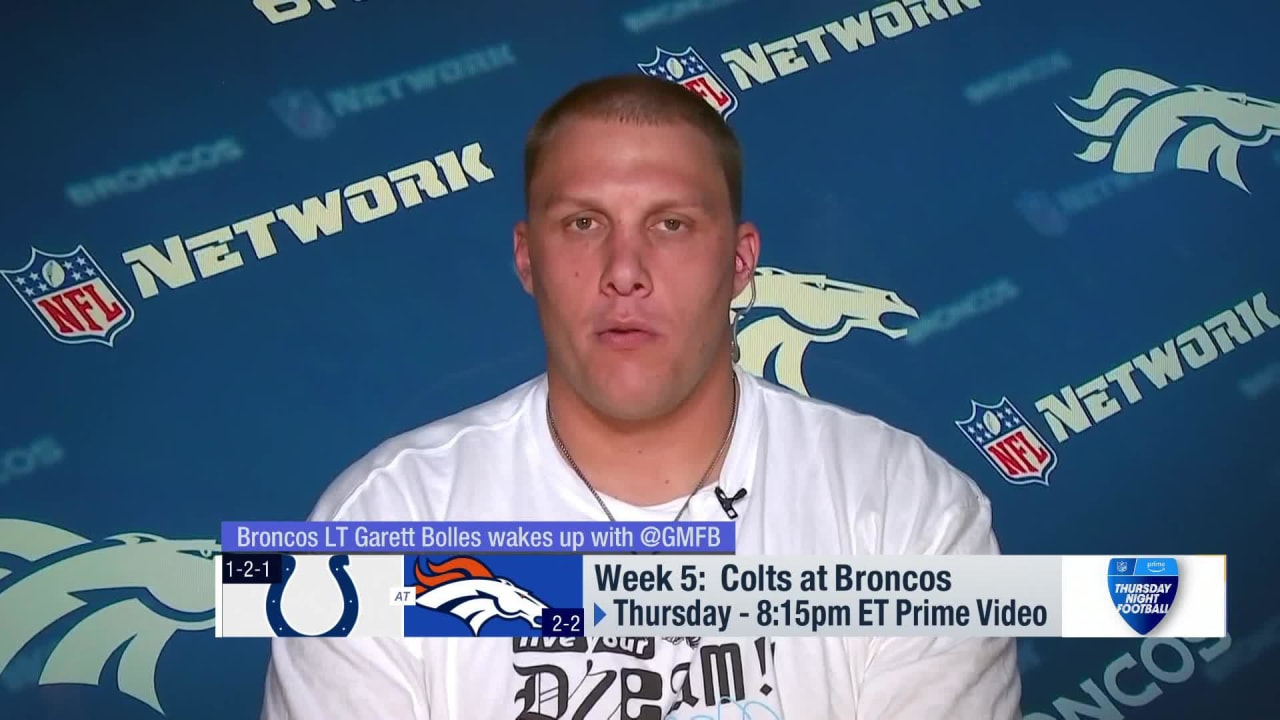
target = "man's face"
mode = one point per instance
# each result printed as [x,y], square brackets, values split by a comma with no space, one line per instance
[633,256]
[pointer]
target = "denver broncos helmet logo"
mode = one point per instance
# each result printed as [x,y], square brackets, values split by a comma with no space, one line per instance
[125,594]
[804,308]
[1143,113]
[467,589]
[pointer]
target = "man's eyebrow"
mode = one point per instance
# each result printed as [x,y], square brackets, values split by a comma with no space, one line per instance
[564,199]
[698,202]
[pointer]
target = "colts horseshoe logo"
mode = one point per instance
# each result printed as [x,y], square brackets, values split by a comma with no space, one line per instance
[350,600]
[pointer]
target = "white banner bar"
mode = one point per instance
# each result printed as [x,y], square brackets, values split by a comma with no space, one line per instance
[937,595]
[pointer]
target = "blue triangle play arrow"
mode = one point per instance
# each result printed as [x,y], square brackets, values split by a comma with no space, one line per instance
[599,614]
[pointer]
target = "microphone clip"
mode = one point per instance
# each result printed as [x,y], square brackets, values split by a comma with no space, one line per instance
[727,503]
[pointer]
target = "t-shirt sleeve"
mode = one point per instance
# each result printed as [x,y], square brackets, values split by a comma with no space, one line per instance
[345,678]
[939,511]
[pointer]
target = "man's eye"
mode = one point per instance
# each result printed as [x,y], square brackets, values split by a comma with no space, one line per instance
[583,223]
[672,224]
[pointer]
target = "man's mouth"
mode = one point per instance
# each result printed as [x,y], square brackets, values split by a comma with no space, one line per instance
[625,336]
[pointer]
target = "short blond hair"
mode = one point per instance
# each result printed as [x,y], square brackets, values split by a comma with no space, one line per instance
[640,100]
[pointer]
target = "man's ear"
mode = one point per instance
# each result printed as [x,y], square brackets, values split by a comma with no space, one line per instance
[524,266]
[746,253]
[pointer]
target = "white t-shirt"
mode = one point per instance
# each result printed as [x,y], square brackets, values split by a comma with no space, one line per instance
[820,480]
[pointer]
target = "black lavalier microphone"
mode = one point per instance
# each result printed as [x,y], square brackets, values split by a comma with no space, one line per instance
[727,502]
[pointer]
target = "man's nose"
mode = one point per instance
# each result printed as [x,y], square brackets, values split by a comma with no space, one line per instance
[626,269]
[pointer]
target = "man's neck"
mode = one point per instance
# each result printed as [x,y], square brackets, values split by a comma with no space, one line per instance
[654,461]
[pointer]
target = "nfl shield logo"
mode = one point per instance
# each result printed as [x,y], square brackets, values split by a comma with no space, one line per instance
[1009,442]
[71,297]
[304,114]
[1043,213]
[688,69]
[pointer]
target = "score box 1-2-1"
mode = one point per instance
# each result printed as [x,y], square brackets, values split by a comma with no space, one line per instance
[352,595]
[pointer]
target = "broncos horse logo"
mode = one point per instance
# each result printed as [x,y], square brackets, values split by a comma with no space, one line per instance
[465,588]
[803,309]
[1143,113]
[88,600]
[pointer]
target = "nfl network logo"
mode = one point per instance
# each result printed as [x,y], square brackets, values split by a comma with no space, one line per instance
[304,114]
[688,69]
[72,298]
[1009,442]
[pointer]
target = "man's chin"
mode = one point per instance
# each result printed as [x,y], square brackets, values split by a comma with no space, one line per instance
[629,410]
[628,402]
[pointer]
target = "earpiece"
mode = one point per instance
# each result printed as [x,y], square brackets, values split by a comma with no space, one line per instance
[735,350]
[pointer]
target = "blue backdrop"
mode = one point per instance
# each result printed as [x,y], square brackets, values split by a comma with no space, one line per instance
[247,241]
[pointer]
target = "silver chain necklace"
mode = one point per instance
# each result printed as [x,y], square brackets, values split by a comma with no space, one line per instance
[724,446]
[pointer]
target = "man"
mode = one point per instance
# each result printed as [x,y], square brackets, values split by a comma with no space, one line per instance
[633,249]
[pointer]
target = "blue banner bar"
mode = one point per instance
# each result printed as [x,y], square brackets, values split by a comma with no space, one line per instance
[478,537]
